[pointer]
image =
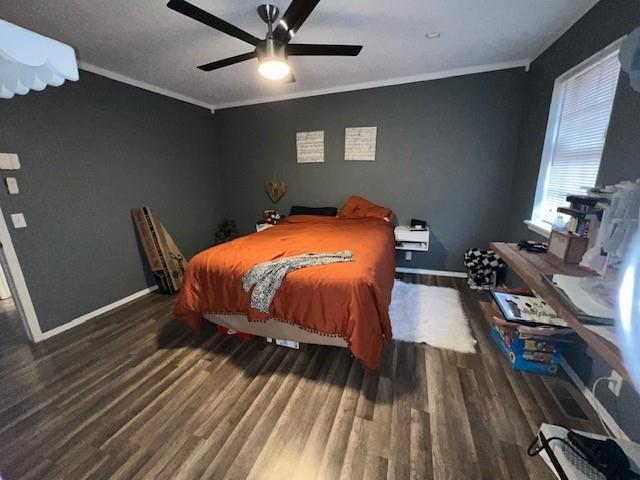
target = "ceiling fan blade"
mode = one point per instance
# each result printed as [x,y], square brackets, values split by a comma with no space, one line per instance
[207,67]
[212,21]
[320,49]
[293,19]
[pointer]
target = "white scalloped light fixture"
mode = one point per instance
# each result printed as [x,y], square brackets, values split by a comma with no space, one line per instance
[30,61]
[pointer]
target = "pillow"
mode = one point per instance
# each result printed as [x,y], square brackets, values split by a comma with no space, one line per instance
[358,207]
[321,211]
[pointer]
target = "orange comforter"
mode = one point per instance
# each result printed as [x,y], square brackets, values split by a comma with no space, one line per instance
[349,300]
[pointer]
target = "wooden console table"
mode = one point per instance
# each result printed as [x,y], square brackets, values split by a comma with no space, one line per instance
[529,267]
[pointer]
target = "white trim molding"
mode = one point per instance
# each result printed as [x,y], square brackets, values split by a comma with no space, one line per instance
[439,273]
[538,228]
[87,67]
[423,77]
[17,284]
[593,401]
[95,313]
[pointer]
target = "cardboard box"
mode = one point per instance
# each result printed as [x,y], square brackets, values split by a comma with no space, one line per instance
[527,353]
[568,247]
[165,259]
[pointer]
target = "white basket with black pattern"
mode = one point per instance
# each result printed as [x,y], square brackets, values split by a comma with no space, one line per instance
[484,268]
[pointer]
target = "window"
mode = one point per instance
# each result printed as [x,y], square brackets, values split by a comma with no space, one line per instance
[576,132]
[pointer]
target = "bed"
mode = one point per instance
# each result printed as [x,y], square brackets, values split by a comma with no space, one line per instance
[343,304]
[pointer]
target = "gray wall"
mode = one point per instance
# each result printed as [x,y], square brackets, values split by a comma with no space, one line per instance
[90,151]
[445,153]
[605,23]
[621,155]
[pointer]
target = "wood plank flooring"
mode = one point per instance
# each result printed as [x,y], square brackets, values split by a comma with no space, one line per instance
[134,395]
[11,324]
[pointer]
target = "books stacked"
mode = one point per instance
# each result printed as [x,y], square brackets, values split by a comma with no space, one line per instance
[585,212]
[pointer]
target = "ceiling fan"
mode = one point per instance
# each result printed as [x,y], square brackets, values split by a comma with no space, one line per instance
[272,51]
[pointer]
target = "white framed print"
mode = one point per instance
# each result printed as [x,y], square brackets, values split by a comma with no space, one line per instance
[360,143]
[310,146]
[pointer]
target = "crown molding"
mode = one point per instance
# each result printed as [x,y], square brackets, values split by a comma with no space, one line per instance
[554,38]
[380,83]
[308,93]
[87,67]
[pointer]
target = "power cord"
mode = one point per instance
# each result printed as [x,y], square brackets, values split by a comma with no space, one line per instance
[596,405]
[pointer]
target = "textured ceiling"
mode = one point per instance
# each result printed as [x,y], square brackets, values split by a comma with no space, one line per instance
[144,40]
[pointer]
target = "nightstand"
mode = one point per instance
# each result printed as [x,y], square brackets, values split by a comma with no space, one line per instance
[414,240]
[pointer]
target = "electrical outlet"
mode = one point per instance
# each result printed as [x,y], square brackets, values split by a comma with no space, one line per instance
[407,255]
[18,220]
[615,383]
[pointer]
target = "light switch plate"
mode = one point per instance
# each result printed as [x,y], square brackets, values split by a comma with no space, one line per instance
[9,161]
[18,220]
[12,185]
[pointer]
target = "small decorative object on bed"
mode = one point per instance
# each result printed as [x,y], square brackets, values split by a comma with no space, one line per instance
[271,216]
[227,231]
[360,143]
[275,189]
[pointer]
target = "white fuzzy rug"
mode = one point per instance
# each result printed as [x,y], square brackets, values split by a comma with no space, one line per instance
[432,315]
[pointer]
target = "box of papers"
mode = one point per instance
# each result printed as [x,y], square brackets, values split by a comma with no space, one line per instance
[526,352]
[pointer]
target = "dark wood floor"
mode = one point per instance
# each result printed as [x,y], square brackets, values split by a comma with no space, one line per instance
[134,395]
[10,324]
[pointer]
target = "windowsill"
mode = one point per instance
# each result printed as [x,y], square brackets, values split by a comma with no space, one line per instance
[538,227]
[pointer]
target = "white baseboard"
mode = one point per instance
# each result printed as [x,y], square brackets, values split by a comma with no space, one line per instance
[440,273]
[95,313]
[595,403]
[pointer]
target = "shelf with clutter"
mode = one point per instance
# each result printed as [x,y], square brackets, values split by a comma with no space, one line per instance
[414,237]
[579,275]
[577,226]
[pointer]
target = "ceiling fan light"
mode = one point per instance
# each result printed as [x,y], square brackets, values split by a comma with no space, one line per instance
[273,68]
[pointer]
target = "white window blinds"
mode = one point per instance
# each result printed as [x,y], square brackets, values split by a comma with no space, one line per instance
[585,107]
